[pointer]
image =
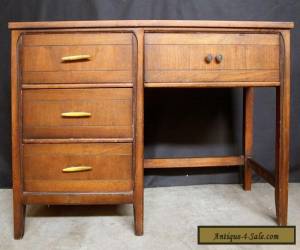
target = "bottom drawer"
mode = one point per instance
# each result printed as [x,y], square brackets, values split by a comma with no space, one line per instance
[110,167]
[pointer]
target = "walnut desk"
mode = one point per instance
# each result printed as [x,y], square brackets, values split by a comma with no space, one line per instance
[78,103]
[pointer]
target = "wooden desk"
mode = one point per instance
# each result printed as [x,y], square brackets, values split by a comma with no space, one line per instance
[59,67]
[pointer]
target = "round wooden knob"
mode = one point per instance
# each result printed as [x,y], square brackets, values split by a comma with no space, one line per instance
[208,58]
[219,58]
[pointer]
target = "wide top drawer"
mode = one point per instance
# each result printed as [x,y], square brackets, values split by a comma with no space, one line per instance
[77,58]
[211,57]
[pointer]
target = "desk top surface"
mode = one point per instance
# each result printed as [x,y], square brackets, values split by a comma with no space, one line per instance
[152,23]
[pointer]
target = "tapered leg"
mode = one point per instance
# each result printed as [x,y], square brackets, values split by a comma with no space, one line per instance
[282,161]
[18,206]
[138,202]
[19,219]
[282,134]
[138,218]
[248,98]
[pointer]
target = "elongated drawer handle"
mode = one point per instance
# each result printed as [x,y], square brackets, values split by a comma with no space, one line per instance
[76,114]
[75,58]
[73,169]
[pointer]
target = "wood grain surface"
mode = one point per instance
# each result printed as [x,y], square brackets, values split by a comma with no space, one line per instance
[111,167]
[110,109]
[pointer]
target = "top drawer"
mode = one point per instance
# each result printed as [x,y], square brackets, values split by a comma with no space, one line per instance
[184,57]
[110,58]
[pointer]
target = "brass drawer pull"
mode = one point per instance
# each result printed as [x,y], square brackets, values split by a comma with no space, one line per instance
[75,58]
[76,114]
[73,169]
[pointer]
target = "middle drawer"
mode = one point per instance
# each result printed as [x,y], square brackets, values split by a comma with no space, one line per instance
[77,113]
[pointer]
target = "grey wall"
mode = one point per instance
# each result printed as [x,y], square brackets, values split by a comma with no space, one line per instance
[177,122]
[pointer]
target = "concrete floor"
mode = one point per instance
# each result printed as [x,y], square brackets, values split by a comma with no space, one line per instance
[171,219]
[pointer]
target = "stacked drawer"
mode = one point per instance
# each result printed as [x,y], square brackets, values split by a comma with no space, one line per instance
[77,112]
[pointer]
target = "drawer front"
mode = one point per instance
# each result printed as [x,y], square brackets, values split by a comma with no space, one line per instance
[77,113]
[110,58]
[110,167]
[183,57]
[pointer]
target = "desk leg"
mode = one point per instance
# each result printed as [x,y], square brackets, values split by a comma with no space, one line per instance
[19,219]
[282,159]
[19,208]
[248,98]
[282,134]
[138,202]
